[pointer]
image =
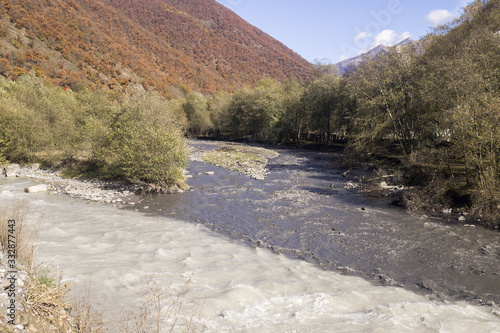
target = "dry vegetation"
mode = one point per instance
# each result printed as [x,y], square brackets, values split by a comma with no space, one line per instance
[160,309]
[41,304]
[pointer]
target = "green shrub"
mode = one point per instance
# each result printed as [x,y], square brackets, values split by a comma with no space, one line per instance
[38,122]
[24,131]
[147,142]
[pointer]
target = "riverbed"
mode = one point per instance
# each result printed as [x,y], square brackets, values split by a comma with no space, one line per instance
[305,210]
[296,252]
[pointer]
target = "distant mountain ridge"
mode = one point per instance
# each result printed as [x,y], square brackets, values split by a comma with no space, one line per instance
[165,45]
[352,63]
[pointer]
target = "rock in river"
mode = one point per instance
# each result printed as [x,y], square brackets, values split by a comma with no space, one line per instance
[12,170]
[36,188]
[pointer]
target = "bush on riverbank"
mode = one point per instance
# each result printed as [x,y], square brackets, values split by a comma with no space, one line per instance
[139,138]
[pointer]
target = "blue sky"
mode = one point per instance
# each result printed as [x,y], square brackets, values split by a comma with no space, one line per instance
[335,30]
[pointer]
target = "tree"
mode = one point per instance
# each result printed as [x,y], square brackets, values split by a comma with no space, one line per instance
[196,109]
[323,101]
[293,119]
[218,108]
[385,90]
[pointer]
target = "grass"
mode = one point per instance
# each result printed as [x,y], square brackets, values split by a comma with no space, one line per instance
[25,238]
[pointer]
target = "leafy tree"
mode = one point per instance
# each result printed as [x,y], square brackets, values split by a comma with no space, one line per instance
[218,108]
[293,120]
[196,109]
[386,94]
[39,121]
[322,99]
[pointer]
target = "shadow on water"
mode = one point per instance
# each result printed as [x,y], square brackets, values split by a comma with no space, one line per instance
[302,210]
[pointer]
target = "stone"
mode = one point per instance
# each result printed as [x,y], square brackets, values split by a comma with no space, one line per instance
[383,185]
[12,170]
[210,173]
[35,166]
[36,188]
[446,211]
[462,218]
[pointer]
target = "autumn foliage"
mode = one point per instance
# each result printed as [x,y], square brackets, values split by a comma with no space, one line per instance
[169,46]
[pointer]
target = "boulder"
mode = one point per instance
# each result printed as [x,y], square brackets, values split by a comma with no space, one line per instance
[12,170]
[36,188]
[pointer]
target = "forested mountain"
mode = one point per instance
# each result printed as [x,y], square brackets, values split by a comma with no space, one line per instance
[165,45]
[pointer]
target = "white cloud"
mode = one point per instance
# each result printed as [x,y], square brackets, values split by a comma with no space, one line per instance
[439,16]
[361,36]
[387,38]
[404,35]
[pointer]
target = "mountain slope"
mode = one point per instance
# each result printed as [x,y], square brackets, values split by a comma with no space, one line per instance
[166,45]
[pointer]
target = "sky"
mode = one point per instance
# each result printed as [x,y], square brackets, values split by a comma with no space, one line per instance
[333,30]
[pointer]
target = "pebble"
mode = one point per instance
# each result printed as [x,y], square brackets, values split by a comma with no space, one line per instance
[350,185]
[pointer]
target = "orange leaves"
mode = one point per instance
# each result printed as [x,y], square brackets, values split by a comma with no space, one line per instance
[163,43]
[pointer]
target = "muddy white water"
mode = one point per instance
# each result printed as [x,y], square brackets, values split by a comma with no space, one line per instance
[241,287]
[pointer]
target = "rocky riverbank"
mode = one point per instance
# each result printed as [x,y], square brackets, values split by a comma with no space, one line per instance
[50,181]
[117,193]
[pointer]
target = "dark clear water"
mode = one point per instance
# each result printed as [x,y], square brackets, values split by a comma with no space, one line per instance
[302,210]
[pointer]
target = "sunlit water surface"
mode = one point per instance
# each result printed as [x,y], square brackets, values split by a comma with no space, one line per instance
[236,288]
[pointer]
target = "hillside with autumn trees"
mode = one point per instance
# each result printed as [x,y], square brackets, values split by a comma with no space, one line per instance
[170,46]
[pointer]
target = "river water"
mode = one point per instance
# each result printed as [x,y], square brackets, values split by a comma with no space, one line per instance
[267,256]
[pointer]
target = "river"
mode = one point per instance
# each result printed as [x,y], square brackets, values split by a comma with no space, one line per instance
[293,253]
